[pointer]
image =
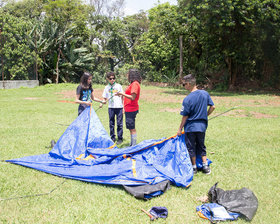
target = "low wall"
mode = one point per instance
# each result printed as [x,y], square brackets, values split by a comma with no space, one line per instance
[13,84]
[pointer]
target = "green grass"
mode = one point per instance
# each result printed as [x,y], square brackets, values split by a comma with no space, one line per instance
[244,148]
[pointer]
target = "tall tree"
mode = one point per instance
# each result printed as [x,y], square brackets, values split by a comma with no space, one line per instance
[158,48]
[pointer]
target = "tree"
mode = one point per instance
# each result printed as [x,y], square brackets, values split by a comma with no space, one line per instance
[135,26]
[64,25]
[28,9]
[16,56]
[110,9]
[158,48]
[226,36]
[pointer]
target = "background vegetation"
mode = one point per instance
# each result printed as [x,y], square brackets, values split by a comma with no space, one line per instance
[226,43]
[243,145]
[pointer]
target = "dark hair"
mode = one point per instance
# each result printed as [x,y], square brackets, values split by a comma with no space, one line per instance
[109,74]
[84,80]
[134,75]
[190,78]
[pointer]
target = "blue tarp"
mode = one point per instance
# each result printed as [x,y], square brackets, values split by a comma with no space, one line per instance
[215,212]
[85,152]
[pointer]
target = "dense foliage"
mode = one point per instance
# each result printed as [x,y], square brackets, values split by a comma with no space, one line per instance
[237,40]
[226,43]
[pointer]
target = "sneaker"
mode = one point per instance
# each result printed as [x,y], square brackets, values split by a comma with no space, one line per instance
[194,171]
[120,141]
[206,169]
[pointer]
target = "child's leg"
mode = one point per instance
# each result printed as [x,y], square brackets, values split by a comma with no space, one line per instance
[201,150]
[120,123]
[112,123]
[190,142]
[133,137]
[130,124]
[200,146]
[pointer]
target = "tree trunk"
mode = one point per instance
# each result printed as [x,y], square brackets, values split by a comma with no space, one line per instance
[2,61]
[267,70]
[233,69]
[36,66]
[57,70]
[181,58]
[229,65]
[112,64]
[234,77]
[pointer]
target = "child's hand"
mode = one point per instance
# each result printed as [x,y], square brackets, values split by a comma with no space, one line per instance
[100,105]
[179,132]
[88,103]
[104,102]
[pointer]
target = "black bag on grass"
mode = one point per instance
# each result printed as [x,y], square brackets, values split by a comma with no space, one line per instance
[241,201]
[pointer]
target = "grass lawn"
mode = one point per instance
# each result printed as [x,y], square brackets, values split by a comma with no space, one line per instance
[244,145]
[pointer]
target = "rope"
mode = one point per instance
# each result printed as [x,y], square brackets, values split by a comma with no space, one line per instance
[34,195]
[223,113]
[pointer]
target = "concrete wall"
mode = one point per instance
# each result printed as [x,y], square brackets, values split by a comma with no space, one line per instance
[13,84]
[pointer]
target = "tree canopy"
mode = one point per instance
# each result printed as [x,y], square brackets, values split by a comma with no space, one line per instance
[226,43]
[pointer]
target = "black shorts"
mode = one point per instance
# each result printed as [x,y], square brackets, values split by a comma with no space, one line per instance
[130,119]
[195,143]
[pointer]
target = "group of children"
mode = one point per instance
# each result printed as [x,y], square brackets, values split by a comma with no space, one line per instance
[118,100]
[196,108]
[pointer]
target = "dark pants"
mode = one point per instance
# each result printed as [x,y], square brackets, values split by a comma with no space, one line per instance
[195,143]
[81,108]
[118,112]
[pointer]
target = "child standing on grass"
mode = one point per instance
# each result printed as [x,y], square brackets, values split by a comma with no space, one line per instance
[195,121]
[131,107]
[115,106]
[84,93]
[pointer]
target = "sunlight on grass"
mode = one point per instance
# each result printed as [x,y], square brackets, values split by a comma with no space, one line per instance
[243,145]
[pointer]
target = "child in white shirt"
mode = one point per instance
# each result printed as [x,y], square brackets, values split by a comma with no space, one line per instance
[115,106]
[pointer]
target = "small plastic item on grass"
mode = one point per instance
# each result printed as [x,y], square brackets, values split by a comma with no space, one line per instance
[159,212]
[215,212]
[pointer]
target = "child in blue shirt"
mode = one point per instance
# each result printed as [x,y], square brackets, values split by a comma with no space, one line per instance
[195,114]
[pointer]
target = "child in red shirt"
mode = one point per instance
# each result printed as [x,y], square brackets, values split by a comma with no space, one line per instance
[131,107]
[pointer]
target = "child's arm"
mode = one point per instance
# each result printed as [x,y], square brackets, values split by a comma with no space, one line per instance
[88,103]
[210,110]
[183,121]
[104,100]
[131,97]
[97,99]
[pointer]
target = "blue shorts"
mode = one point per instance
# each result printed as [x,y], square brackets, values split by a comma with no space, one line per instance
[130,119]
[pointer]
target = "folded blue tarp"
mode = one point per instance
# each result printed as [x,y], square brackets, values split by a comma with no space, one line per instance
[85,152]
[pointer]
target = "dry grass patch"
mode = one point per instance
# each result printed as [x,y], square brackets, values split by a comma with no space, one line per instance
[160,96]
[271,102]
[72,93]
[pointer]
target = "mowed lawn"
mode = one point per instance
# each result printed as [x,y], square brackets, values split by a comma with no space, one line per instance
[244,145]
